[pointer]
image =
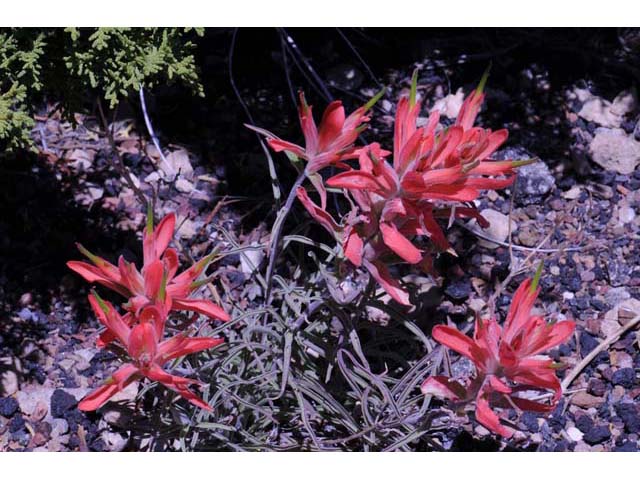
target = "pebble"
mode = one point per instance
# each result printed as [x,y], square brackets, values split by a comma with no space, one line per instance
[61,401]
[584,423]
[628,412]
[585,400]
[8,406]
[574,434]
[59,426]
[614,150]
[617,295]
[625,377]
[534,181]
[9,382]
[597,434]
[184,186]
[458,290]
[626,447]
[498,227]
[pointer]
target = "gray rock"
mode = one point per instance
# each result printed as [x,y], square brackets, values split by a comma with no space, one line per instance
[534,181]
[614,296]
[59,426]
[614,150]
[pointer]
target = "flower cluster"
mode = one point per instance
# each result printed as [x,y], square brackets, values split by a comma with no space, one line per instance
[151,293]
[435,173]
[508,361]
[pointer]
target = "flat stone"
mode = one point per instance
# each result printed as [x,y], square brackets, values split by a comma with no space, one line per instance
[584,400]
[614,150]
[498,227]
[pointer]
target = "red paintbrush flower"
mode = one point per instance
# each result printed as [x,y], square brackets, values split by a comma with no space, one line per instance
[147,352]
[508,361]
[157,277]
[433,175]
[329,144]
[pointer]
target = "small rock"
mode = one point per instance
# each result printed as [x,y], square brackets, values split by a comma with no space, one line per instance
[498,227]
[621,359]
[177,163]
[609,325]
[584,423]
[605,113]
[534,181]
[450,105]
[597,387]
[616,296]
[184,185]
[614,150]
[251,259]
[529,237]
[574,434]
[572,193]
[582,447]
[59,426]
[587,343]
[458,290]
[61,402]
[9,382]
[628,412]
[16,423]
[187,228]
[626,447]
[114,441]
[585,400]
[626,214]
[477,304]
[8,406]
[597,434]
[625,377]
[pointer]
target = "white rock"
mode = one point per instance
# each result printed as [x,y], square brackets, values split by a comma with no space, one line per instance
[184,186]
[153,177]
[574,434]
[572,193]
[626,214]
[605,113]
[113,441]
[498,227]
[614,150]
[177,162]
[187,228]
[29,397]
[250,260]
[450,105]
[59,426]
[9,382]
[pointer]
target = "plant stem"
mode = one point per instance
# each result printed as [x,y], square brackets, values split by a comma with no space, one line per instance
[276,233]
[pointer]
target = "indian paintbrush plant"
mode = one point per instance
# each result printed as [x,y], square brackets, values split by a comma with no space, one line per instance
[399,201]
[151,295]
[510,368]
[436,173]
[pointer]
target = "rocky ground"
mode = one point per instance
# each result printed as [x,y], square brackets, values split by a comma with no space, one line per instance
[576,209]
